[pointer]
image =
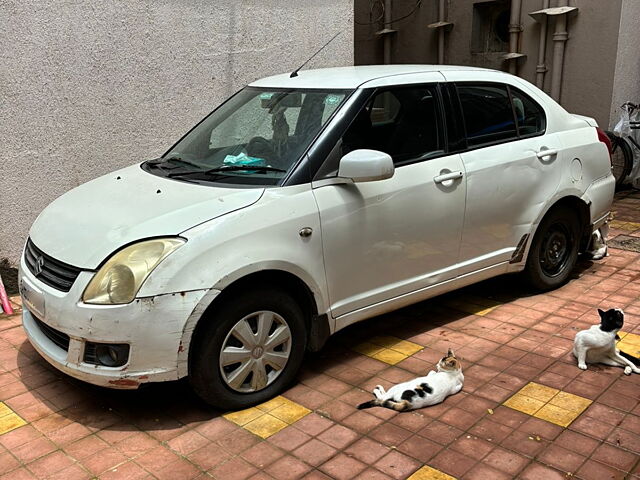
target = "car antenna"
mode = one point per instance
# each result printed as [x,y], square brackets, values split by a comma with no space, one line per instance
[295,72]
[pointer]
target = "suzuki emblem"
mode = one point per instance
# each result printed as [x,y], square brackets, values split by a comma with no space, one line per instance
[37,267]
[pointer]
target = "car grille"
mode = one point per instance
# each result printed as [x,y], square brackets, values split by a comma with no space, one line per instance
[48,270]
[59,338]
[90,353]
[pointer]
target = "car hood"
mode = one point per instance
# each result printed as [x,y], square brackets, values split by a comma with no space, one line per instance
[87,224]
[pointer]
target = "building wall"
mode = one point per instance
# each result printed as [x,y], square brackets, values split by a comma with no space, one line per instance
[88,87]
[626,84]
[590,55]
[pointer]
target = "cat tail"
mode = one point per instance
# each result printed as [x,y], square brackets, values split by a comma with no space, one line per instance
[631,358]
[397,406]
[370,404]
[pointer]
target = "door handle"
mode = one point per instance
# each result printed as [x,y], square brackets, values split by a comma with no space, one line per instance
[547,152]
[447,176]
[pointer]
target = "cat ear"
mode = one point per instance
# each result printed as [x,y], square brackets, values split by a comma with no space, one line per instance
[450,353]
[601,312]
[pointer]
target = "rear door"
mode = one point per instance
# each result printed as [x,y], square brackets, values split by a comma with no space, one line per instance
[512,169]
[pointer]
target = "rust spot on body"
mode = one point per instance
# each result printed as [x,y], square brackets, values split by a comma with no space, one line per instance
[125,382]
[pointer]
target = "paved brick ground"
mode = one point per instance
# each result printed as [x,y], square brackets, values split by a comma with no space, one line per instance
[515,348]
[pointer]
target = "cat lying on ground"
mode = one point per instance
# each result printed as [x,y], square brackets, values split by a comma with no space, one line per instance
[422,391]
[598,343]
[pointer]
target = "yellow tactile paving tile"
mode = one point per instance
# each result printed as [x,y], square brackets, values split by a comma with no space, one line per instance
[270,417]
[9,420]
[548,403]
[387,349]
[629,343]
[474,305]
[428,473]
[389,356]
[367,348]
[539,392]
[524,404]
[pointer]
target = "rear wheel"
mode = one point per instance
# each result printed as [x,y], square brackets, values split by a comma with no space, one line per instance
[621,158]
[554,249]
[250,350]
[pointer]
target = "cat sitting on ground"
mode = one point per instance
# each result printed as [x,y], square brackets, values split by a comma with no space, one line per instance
[422,391]
[598,343]
[598,247]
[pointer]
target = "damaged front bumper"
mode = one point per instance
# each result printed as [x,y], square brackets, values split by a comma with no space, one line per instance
[156,329]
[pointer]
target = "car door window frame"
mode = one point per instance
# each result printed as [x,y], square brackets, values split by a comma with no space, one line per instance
[457,104]
[329,168]
[539,108]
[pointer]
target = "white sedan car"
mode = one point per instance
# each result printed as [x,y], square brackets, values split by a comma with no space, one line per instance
[300,206]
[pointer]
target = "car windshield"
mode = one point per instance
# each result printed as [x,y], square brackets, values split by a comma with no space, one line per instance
[254,138]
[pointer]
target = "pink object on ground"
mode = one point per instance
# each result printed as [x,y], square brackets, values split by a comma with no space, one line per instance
[4,300]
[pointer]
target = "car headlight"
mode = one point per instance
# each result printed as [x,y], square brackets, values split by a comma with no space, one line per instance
[119,280]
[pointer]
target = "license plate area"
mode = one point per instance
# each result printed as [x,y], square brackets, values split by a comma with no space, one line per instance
[33,299]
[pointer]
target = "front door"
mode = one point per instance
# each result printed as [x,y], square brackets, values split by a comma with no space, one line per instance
[388,238]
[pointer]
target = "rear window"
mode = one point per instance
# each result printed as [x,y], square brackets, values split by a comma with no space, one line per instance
[488,116]
[530,115]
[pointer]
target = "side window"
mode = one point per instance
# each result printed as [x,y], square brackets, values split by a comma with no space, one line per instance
[403,122]
[530,115]
[384,109]
[488,116]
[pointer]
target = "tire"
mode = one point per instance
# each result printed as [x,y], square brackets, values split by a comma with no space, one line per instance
[554,250]
[621,158]
[244,383]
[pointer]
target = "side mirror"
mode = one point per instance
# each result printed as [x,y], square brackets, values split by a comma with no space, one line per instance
[366,166]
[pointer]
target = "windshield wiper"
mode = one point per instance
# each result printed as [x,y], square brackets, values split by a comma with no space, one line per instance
[161,162]
[181,161]
[227,168]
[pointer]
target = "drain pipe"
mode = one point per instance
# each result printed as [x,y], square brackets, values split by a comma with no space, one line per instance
[514,33]
[387,38]
[441,33]
[560,37]
[541,68]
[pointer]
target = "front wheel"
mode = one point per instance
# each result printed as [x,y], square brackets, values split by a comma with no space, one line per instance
[250,349]
[554,250]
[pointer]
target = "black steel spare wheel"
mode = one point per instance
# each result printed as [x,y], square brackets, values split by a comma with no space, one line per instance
[554,249]
[249,350]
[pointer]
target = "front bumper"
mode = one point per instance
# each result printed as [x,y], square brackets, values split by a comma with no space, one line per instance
[156,329]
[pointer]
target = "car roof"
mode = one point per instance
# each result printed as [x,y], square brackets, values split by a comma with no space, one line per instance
[352,77]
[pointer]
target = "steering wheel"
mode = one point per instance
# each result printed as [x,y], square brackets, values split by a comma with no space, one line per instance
[260,147]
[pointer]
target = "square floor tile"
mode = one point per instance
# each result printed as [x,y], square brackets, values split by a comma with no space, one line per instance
[524,404]
[629,343]
[269,417]
[290,412]
[242,417]
[548,403]
[389,356]
[265,426]
[387,349]
[428,473]
[9,420]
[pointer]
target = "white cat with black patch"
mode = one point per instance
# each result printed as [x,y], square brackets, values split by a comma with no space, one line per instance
[598,343]
[422,391]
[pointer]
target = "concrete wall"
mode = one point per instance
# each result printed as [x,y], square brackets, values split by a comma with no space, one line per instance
[590,54]
[626,84]
[88,87]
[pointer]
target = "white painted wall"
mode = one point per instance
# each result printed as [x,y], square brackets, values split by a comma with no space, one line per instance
[88,87]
